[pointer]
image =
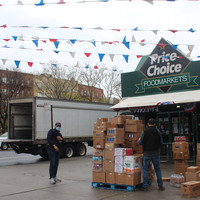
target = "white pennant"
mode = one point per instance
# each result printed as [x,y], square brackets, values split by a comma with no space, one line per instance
[112,57]
[4,61]
[133,39]
[72,54]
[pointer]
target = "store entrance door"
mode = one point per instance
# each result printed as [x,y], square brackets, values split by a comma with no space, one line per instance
[172,124]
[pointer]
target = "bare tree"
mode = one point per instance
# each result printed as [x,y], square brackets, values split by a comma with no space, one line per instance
[58,82]
[111,85]
[92,78]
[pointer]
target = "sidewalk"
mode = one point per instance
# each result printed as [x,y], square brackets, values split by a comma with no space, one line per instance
[30,181]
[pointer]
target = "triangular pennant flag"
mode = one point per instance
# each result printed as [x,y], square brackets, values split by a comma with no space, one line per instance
[56,51]
[126,43]
[21,37]
[133,39]
[173,31]
[4,61]
[101,55]
[94,43]
[155,32]
[7,40]
[191,30]
[73,41]
[179,56]
[35,42]
[53,40]
[44,41]
[126,57]
[17,62]
[5,46]
[86,66]
[4,26]
[114,70]
[39,49]
[55,65]
[61,2]
[139,56]
[40,4]
[111,57]
[87,54]
[72,54]
[56,44]
[175,46]
[95,67]
[190,47]
[20,3]
[44,27]
[135,29]
[79,28]
[30,64]
[15,38]
[149,1]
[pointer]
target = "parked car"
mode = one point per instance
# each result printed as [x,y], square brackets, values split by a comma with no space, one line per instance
[3,137]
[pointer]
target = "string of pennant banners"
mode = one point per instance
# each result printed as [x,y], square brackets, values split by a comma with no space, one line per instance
[46,2]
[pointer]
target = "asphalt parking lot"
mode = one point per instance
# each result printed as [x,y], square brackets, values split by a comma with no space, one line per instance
[30,181]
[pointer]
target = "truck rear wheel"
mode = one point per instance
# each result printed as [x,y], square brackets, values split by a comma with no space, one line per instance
[80,150]
[69,150]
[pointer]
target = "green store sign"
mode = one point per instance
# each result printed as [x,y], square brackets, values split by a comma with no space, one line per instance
[165,70]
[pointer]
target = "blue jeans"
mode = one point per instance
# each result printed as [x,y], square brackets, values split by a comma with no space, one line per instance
[54,161]
[156,163]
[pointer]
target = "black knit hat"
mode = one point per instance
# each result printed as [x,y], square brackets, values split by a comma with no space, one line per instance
[58,124]
[152,121]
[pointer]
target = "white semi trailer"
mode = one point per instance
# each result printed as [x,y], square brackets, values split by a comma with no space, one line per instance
[29,120]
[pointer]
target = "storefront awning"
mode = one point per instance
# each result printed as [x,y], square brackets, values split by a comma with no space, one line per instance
[158,99]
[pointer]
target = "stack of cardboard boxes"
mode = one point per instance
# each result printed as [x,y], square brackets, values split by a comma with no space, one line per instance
[117,156]
[180,156]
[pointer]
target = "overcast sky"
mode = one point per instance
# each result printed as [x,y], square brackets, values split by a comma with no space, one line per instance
[124,15]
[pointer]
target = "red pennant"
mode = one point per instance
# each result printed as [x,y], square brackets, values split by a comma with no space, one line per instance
[96,67]
[179,56]
[61,2]
[44,41]
[30,64]
[161,45]
[173,31]
[53,40]
[143,40]
[139,56]
[39,49]
[87,54]
[116,29]
[4,26]
[6,40]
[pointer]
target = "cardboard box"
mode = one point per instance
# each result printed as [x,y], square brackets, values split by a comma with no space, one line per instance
[123,152]
[102,126]
[131,121]
[118,132]
[108,166]
[192,176]
[190,189]
[119,179]
[134,128]
[119,160]
[180,166]
[99,177]
[178,147]
[198,148]
[98,152]
[130,163]
[120,120]
[111,145]
[97,160]
[132,136]
[119,168]
[100,120]
[110,177]
[97,168]
[193,169]
[181,156]
[98,143]
[115,140]
[109,154]
[99,134]
[132,178]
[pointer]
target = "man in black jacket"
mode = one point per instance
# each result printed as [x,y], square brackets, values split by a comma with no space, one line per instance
[151,139]
[54,137]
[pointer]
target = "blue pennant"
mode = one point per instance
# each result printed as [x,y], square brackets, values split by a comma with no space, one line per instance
[56,44]
[15,38]
[101,55]
[57,52]
[44,27]
[94,43]
[17,62]
[40,4]
[73,41]
[86,66]
[35,42]
[127,44]
[55,65]
[175,46]
[126,57]
[191,30]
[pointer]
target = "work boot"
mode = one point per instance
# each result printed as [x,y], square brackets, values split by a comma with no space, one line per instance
[161,188]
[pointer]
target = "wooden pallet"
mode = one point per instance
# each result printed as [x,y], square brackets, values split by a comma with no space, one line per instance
[115,186]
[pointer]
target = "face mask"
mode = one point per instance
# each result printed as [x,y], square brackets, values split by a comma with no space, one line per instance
[58,128]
